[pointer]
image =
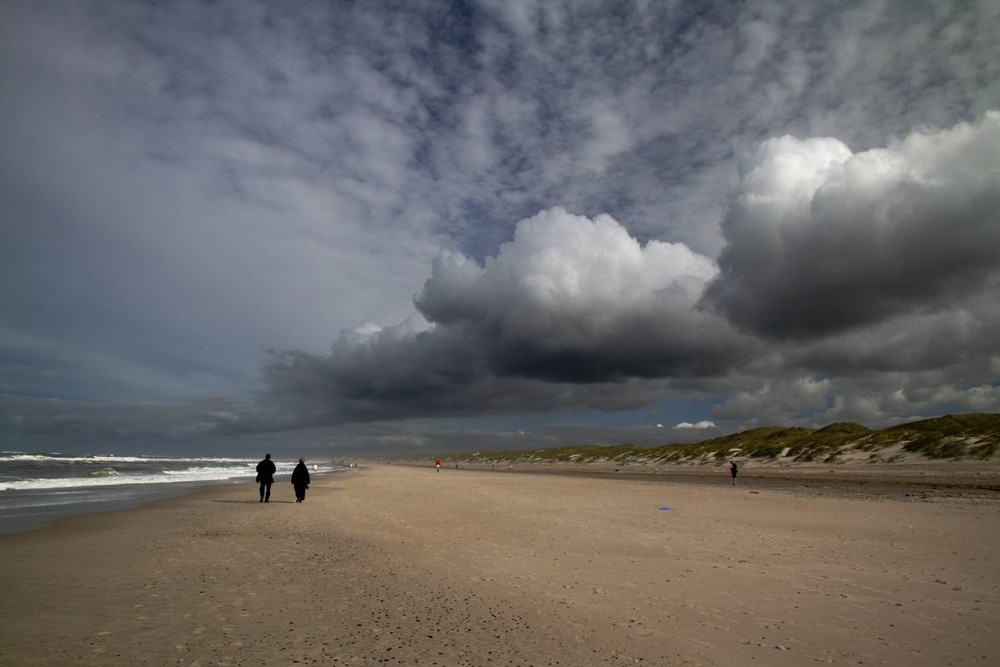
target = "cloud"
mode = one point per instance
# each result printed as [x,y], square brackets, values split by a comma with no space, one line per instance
[165,221]
[69,423]
[858,281]
[820,240]
[698,425]
[568,313]
[187,185]
[576,299]
[872,399]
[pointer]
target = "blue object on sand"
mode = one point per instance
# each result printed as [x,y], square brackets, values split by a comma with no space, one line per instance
[664,509]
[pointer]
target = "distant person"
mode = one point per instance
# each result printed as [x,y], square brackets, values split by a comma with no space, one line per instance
[733,470]
[437,465]
[300,480]
[265,475]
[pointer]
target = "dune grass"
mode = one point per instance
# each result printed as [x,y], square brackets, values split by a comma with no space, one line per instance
[967,436]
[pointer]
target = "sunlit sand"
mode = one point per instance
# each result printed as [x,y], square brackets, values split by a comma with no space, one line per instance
[403,565]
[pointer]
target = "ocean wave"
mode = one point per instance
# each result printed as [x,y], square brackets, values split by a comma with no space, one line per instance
[114,480]
[111,477]
[111,458]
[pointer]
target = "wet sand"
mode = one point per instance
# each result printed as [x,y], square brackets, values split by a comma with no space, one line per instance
[402,565]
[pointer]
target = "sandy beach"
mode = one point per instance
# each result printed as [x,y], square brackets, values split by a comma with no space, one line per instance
[405,565]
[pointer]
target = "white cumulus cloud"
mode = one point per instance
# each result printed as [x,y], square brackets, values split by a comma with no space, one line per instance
[696,425]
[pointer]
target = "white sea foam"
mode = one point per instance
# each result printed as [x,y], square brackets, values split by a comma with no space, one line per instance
[39,472]
[116,479]
[34,488]
[109,458]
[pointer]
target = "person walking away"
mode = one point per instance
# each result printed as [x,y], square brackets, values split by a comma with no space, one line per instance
[300,480]
[265,475]
[437,465]
[733,470]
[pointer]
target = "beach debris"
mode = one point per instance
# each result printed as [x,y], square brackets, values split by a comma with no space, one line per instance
[664,509]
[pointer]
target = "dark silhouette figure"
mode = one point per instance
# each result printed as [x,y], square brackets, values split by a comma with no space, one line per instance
[733,470]
[265,475]
[300,480]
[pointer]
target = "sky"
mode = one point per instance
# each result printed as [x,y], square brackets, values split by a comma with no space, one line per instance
[407,227]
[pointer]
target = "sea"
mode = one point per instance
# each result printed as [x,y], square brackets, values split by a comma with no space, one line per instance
[35,488]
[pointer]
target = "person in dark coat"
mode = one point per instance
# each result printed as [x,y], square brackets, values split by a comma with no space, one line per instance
[265,475]
[300,480]
[733,470]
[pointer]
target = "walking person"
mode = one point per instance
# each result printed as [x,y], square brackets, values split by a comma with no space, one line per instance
[300,480]
[437,465]
[733,470]
[265,475]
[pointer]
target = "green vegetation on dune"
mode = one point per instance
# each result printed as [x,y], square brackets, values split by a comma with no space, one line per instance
[965,436]
[845,427]
[951,436]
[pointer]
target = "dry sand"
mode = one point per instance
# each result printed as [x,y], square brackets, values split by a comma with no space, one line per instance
[395,565]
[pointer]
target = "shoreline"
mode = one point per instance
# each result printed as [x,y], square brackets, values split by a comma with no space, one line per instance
[19,514]
[406,566]
[33,509]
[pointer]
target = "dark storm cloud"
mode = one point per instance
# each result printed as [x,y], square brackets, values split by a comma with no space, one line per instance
[820,240]
[387,374]
[572,313]
[885,262]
